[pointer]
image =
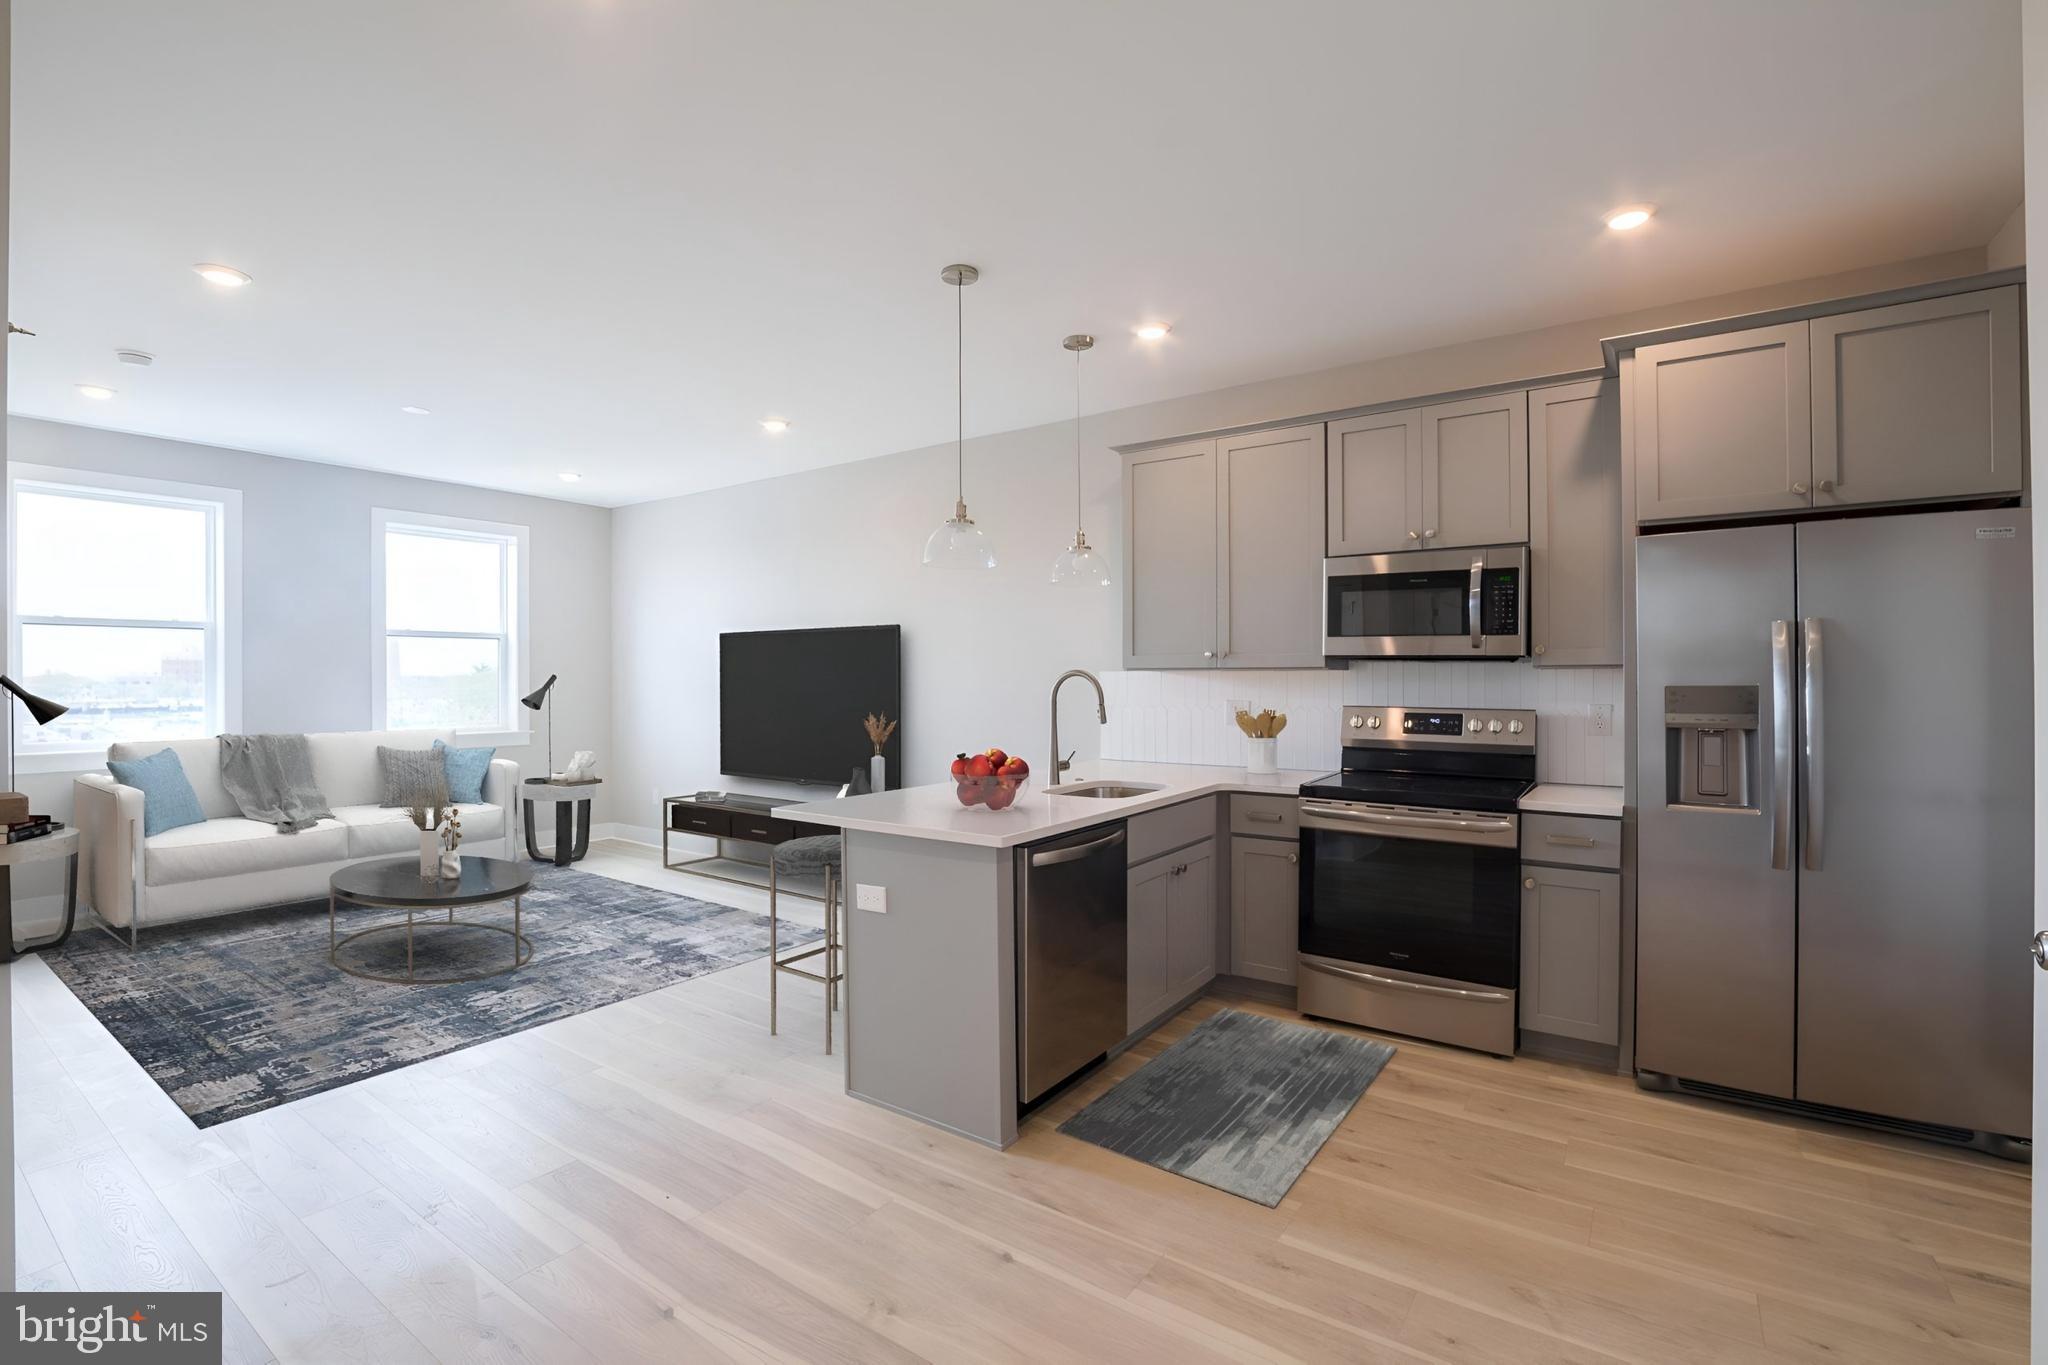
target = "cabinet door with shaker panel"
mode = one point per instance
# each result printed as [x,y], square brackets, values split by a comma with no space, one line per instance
[1575,536]
[1375,484]
[1170,557]
[1475,471]
[1269,527]
[1918,400]
[1723,425]
[1571,953]
[1265,908]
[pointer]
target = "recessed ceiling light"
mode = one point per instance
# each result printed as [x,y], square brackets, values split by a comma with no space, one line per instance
[98,392]
[1152,331]
[226,276]
[411,411]
[570,476]
[1624,220]
[775,426]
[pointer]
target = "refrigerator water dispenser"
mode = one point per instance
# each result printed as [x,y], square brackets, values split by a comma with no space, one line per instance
[1710,736]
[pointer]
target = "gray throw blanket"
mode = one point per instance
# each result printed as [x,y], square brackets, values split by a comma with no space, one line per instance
[271,779]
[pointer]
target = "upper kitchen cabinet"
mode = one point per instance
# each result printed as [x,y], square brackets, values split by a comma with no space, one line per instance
[1170,541]
[1223,552]
[1919,400]
[1475,472]
[1575,536]
[1269,524]
[1723,425]
[1375,483]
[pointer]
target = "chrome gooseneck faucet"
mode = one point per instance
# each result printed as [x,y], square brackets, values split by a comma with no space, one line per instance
[1060,764]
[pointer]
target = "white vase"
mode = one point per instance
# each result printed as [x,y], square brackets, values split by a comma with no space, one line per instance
[1262,756]
[430,853]
[451,865]
[878,773]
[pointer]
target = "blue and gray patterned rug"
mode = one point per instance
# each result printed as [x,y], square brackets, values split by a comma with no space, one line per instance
[1243,1103]
[244,1012]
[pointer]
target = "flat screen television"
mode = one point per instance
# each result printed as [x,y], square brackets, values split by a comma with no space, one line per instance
[791,703]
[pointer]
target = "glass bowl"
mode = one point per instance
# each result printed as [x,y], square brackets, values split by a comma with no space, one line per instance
[990,793]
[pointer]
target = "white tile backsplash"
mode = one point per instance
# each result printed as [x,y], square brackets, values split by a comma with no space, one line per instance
[1185,716]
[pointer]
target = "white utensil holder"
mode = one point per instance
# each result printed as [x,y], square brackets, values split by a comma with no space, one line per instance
[1262,756]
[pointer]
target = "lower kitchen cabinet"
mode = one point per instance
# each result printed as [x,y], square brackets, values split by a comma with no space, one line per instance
[1172,934]
[1265,914]
[1571,953]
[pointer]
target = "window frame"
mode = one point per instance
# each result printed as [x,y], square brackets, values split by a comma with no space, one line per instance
[513,727]
[222,630]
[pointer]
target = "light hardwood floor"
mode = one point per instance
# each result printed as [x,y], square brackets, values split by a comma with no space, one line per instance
[662,1180]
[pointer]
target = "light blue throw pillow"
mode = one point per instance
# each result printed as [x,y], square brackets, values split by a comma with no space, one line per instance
[168,800]
[466,770]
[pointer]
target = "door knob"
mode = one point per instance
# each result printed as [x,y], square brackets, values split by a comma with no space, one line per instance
[1415,535]
[1827,485]
[2041,950]
[1429,534]
[1294,857]
[1529,882]
[1798,488]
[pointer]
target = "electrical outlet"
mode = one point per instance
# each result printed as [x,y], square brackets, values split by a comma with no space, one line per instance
[1603,718]
[875,898]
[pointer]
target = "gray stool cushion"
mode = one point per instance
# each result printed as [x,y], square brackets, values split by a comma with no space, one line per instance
[814,854]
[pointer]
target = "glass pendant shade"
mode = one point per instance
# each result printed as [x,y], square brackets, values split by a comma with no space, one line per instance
[1081,565]
[959,544]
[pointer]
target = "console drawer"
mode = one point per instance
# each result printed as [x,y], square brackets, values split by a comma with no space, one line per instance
[700,820]
[761,829]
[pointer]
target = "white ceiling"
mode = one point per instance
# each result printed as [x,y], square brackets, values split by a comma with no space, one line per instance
[611,235]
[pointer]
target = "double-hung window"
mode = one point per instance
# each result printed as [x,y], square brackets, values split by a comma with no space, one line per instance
[122,606]
[449,607]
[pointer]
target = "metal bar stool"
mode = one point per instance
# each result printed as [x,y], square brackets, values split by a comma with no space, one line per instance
[817,854]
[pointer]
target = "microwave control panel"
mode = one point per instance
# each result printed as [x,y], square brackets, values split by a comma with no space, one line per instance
[1500,602]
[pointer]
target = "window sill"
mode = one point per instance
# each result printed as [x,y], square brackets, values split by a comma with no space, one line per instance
[500,739]
[62,761]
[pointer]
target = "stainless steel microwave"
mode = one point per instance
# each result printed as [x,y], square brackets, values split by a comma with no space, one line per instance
[1428,604]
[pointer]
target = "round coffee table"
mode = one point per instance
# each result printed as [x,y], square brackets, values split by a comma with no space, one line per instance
[396,883]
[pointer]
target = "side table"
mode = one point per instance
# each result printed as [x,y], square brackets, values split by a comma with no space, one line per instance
[572,817]
[62,844]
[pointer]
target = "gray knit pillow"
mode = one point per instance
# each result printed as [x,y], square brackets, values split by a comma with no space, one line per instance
[413,777]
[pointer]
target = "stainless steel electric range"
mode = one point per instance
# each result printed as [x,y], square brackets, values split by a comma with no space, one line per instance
[1411,917]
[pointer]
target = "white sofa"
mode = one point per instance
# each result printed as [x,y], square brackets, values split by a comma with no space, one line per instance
[228,863]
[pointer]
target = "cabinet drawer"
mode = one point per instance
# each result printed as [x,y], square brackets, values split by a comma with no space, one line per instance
[1276,817]
[1578,840]
[761,829]
[1161,831]
[695,820]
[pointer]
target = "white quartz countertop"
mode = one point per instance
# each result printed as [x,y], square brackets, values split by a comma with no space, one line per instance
[935,812]
[1563,798]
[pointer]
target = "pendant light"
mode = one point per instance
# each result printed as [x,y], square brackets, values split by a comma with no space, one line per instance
[1079,565]
[959,543]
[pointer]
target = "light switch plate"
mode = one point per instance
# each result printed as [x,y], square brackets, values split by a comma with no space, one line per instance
[1603,718]
[875,898]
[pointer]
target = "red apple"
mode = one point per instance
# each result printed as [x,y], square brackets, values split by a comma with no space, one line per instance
[969,792]
[1001,795]
[960,765]
[979,766]
[1015,767]
[996,759]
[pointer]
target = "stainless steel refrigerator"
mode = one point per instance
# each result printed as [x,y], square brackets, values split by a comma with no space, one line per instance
[1835,829]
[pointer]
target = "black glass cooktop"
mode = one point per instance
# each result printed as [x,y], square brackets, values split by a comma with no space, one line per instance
[1442,791]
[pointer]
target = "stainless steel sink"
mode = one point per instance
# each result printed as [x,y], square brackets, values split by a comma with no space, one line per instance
[1107,791]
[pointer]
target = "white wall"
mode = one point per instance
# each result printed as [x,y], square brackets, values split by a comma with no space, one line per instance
[840,546]
[306,654]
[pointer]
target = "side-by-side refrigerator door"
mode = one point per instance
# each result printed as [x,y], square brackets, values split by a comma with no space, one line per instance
[1916,865]
[1716,916]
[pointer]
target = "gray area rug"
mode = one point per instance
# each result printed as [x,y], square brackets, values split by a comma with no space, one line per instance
[1243,1103]
[244,1012]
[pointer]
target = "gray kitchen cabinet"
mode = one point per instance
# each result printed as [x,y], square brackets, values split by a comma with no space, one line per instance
[1265,916]
[1571,953]
[1374,484]
[1723,424]
[1475,471]
[1171,931]
[1575,533]
[1170,542]
[1269,529]
[1918,401]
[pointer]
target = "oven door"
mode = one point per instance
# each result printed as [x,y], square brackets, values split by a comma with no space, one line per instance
[1427,604]
[1429,892]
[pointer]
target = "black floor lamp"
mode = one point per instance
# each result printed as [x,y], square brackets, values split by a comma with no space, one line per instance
[531,701]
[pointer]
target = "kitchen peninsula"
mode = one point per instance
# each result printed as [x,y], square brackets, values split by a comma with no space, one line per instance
[933,1006]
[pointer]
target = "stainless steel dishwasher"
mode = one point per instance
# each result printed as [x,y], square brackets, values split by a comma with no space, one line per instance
[1071,955]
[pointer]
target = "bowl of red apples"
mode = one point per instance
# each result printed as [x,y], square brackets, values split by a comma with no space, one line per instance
[990,778]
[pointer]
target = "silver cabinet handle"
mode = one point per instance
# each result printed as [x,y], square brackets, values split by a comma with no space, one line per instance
[1529,883]
[1568,840]
[1781,745]
[1539,649]
[1271,817]
[1799,488]
[2041,950]
[1415,535]
[1430,534]
[1332,969]
[1811,724]
[1827,485]
[1294,857]
[1208,653]
[1472,601]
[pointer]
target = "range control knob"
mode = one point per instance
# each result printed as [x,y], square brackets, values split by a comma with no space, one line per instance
[1358,722]
[1373,722]
[1473,725]
[1407,724]
[1514,727]
[1493,727]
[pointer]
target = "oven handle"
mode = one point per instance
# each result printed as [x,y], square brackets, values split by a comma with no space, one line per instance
[1322,965]
[1337,818]
[1472,602]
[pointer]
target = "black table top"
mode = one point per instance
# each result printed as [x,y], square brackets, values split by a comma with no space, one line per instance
[397,881]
